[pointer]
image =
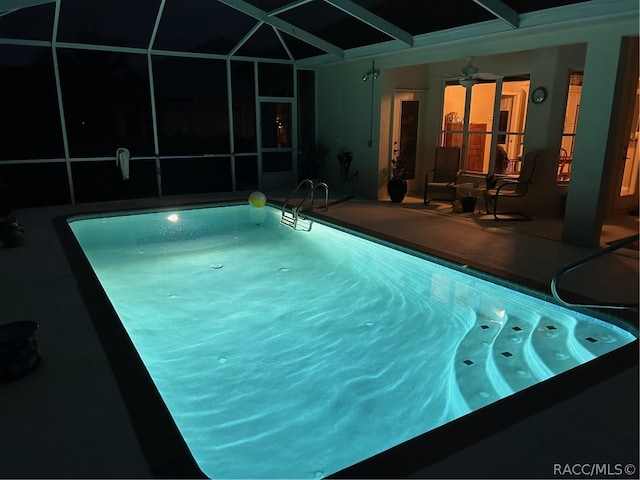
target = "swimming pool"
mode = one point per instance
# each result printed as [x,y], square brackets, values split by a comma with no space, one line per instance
[293,354]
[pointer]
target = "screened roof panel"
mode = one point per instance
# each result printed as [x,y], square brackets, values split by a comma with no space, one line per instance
[524,6]
[218,26]
[298,48]
[201,26]
[263,44]
[333,25]
[417,17]
[122,23]
[18,56]
[32,23]
[269,5]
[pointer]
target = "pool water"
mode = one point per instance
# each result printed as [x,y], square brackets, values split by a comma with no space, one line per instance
[290,354]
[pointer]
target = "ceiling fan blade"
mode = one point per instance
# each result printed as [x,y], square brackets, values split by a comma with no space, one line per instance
[485,76]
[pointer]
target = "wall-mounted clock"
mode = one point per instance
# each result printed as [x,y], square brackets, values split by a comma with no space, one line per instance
[539,95]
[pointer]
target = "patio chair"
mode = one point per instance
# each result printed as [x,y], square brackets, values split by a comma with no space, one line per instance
[443,176]
[509,187]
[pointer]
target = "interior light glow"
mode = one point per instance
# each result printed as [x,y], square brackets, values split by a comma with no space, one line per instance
[173,217]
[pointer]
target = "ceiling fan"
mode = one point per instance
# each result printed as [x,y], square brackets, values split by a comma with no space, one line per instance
[471,76]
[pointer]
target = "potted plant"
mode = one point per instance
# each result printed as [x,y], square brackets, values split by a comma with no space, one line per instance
[397,185]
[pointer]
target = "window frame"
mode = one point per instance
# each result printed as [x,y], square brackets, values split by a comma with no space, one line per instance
[568,138]
[493,124]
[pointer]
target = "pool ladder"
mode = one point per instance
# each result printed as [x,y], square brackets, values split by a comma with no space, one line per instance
[292,215]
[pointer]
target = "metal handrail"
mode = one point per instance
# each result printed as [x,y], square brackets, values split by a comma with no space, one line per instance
[303,182]
[326,194]
[572,266]
[292,220]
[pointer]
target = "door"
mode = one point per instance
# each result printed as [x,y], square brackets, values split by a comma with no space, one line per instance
[476,150]
[277,139]
[406,141]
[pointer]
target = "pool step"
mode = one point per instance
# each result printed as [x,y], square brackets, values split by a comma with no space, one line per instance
[472,363]
[554,343]
[595,344]
[501,355]
[513,359]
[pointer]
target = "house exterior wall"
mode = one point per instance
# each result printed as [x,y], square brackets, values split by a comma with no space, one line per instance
[345,108]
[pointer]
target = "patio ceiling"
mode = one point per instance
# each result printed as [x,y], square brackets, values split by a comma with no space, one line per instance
[284,30]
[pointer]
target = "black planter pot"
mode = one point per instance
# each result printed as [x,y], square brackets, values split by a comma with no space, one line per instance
[468,204]
[19,351]
[11,233]
[397,189]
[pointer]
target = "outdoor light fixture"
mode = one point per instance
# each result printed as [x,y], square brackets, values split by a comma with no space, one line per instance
[373,73]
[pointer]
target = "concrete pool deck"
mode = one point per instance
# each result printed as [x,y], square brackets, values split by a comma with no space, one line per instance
[68,418]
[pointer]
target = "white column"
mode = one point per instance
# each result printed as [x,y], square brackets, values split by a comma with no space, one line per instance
[591,171]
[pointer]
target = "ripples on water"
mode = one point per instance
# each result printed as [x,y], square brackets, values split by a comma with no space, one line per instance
[294,355]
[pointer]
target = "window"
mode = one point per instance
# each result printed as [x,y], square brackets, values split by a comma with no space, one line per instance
[107,104]
[306,108]
[275,80]
[29,104]
[191,105]
[244,107]
[490,132]
[100,181]
[183,176]
[570,126]
[276,124]
[276,127]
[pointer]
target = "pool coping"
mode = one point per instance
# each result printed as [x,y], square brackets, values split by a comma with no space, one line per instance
[164,448]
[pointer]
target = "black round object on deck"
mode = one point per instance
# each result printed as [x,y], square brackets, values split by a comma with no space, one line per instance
[11,233]
[19,351]
[468,204]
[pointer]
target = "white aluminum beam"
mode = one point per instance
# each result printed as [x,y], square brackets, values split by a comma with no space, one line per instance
[286,27]
[244,39]
[372,20]
[63,123]
[288,7]
[152,95]
[501,10]
[8,5]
